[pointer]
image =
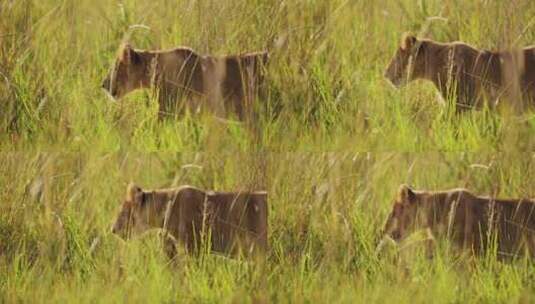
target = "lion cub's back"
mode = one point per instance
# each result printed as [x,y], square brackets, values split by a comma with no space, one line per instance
[241,213]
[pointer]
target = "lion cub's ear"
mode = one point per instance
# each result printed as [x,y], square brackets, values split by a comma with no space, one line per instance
[129,55]
[134,194]
[406,194]
[124,52]
[408,41]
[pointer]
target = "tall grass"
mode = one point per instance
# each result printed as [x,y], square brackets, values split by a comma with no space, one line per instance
[337,141]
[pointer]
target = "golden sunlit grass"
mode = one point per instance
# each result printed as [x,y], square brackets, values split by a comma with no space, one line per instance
[336,142]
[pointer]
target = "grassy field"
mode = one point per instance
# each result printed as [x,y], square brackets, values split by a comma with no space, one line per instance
[337,141]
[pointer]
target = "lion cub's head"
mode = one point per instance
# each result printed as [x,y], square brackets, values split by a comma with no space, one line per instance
[140,211]
[127,74]
[402,219]
[408,62]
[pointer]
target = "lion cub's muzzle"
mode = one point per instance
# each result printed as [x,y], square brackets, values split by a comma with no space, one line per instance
[120,232]
[110,92]
[396,82]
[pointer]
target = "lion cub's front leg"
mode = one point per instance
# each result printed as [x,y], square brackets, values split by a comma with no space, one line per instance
[430,244]
[168,244]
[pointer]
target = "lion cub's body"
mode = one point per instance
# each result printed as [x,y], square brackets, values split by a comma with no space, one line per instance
[229,222]
[184,79]
[473,77]
[469,221]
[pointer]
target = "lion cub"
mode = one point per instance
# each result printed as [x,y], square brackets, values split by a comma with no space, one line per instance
[182,78]
[470,222]
[230,222]
[473,77]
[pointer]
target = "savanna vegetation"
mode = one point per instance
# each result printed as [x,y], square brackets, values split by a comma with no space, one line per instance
[336,142]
